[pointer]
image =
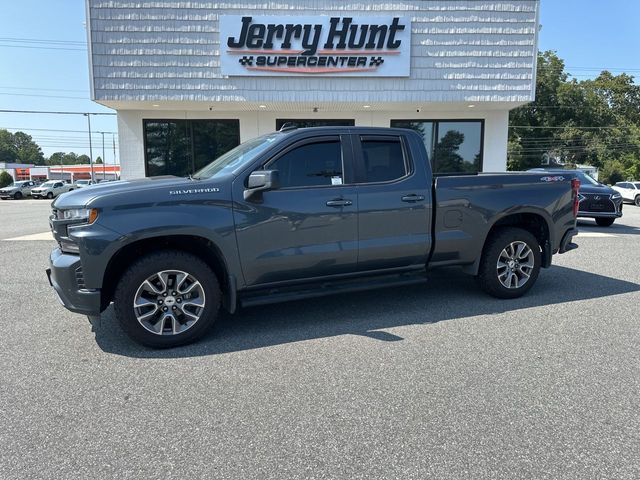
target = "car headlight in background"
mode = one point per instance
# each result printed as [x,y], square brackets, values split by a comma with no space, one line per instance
[86,215]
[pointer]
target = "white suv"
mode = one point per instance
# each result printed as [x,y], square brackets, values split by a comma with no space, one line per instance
[630,191]
[51,189]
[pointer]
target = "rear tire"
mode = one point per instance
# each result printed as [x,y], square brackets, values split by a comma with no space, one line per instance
[157,283]
[605,221]
[510,263]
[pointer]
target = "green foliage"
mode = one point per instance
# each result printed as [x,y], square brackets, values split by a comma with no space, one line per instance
[5,179]
[19,148]
[595,122]
[98,161]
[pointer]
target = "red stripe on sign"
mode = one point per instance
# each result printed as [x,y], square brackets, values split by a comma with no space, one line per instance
[265,52]
[310,69]
[357,52]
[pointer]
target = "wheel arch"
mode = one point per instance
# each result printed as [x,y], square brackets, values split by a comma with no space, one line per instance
[198,246]
[535,222]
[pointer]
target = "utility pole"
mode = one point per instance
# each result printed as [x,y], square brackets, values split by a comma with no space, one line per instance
[104,159]
[93,178]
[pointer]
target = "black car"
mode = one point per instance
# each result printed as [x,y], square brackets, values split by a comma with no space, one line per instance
[597,201]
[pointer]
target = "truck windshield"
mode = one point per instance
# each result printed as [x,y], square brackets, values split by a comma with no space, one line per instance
[240,155]
[586,178]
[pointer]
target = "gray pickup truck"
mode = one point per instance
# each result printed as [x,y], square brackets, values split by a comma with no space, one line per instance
[295,214]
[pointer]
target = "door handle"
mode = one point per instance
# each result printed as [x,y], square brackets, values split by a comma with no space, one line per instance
[413,198]
[339,203]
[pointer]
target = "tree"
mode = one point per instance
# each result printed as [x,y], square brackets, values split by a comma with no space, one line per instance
[83,159]
[595,122]
[5,179]
[8,152]
[28,150]
[98,161]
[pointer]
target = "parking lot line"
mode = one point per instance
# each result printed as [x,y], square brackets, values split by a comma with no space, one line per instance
[35,236]
[595,234]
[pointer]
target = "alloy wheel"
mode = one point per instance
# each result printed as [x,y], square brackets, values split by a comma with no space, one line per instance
[515,265]
[169,302]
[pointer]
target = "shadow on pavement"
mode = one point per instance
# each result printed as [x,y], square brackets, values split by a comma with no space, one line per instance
[449,294]
[618,227]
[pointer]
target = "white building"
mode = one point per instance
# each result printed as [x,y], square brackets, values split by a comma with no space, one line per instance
[190,80]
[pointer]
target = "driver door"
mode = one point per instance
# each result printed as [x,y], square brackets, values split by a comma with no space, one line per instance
[309,226]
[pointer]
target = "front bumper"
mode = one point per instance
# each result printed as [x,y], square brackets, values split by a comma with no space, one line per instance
[64,277]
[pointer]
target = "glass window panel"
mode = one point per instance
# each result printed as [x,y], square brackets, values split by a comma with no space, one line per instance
[425,129]
[314,164]
[383,160]
[305,123]
[180,147]
[459,147]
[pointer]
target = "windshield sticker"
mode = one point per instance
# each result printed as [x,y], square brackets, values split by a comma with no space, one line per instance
[336,180]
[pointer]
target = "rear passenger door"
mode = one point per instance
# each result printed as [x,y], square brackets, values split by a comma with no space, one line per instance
[394,203]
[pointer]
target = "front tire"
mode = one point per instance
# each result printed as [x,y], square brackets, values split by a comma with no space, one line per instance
[636,201]
[605,221]
[49,195]
[17,196]
[167,299]
[510,263]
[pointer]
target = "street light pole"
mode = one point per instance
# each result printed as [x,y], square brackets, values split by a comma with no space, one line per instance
[93,179]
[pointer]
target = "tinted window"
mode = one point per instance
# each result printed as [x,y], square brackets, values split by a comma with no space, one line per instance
[314,164]
[383,160]
[180,147]
[458,147]
[637,185]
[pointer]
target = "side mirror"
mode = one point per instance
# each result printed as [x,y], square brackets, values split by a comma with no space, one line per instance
[261,181]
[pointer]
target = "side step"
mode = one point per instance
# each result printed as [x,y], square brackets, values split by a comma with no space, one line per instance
[277,295]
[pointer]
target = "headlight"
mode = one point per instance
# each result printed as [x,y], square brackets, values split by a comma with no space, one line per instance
[88,215]
[615,196]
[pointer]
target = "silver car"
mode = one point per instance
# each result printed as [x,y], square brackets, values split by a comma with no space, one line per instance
[51,188]
[17,190]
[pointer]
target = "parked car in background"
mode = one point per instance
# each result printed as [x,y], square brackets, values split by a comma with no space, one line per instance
[597,201]
[630,192]
[17,190]
[51,188]
[83,183]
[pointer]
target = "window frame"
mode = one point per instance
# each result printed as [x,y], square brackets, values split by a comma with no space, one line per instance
[347,159]
[361,176]
[436,134]
[189,122]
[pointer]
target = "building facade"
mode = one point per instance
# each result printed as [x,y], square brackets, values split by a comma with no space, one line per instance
[190,80]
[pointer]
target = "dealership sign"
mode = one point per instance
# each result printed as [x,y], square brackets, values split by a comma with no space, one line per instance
[336,46]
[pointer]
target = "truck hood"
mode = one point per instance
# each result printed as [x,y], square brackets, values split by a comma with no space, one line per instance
[602,189]
[120,192]
[9,189]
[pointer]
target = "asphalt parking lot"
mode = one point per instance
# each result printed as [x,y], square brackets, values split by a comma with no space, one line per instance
[435,381]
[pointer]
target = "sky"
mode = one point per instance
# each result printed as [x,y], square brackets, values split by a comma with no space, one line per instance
[44,63]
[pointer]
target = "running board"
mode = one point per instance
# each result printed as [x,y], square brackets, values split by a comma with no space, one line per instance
[285,294]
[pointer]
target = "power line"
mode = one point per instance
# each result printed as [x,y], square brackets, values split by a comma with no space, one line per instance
[44,48]
[57,113]
[52,130]
[42,96]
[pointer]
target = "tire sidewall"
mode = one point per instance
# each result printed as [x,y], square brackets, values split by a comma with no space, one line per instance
[498,241]
[49,195]
[143,269]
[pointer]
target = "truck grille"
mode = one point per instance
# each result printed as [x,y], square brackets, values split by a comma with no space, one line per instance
[594,202]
